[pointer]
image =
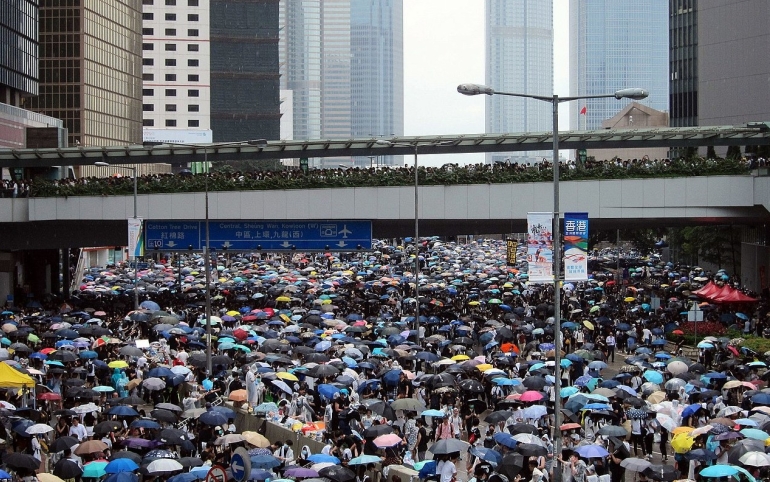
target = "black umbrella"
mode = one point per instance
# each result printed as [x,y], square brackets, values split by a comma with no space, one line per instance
[190,462]
[172,436]
[518,428]
[104,428]
[19,461]
[337,473]
[471,385]
[132,400]
[511,465]
[127,454]
[163,415]
[531,450]
[498,416]
[64,468]
[62,443]
[442,380]
[380,408]
[742,447]
[375,431]
[534,383]
[665,473]
[321,371]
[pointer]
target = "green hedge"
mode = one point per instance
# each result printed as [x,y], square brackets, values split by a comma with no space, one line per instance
[366,177]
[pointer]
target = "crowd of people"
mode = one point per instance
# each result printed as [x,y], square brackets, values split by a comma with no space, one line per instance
[329,347]
[501,172]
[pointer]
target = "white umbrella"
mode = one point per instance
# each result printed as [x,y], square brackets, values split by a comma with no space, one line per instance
[528,438]
[534,412]
[321,465]
[755,459]
[677,367]
[161,466]
[87,408]
[39,428]
[283,386]
[666,422]
[727,411]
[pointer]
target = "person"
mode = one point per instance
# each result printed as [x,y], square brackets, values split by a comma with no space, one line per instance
[537,474]
[610,342]
[444,430]
[577,468]
[284,453]
[449,468]
[77,430]
[422,440]
[62,429]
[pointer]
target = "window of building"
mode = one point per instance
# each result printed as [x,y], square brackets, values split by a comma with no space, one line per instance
[192,3]
[170,31]
[147,2]
[193,93]
[170,77]
[148,91]
[192,47]
[171,92]
[148,61]
[192,32]
[148,107]
[148,16]
[170,62]
[170,47]
[148,31]
[149,77]
[193,77]
[170,123]
[170,107]
[148,122]
[170,17]
[192,62]
[193,123]
[147,46]
[170,2]
[192,17]
[193,108]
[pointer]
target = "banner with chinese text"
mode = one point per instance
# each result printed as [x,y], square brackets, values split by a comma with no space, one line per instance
[540,247]
[510,255]
[575,246]
[135,244]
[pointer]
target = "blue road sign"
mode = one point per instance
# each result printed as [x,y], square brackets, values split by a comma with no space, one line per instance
[240,464]
[259,235]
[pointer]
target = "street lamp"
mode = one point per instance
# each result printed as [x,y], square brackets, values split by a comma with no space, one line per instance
[555,100]
[382,142]
[136,263]
[207,247]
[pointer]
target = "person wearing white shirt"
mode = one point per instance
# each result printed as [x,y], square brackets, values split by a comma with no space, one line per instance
[449,470]
[285,454]
[78,430]
[610,341]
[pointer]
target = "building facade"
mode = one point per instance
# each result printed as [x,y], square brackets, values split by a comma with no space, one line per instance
[617,45]
[683,63]
[519,59]
[343,62]
[90,72]
[245,88]
[176,86]
[19,55]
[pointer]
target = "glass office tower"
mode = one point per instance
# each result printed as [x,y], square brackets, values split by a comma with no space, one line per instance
[616,45]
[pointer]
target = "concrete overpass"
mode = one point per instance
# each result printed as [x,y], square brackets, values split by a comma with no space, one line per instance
[52,223]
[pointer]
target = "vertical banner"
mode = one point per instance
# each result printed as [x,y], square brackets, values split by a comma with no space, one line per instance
[540,247]
[135,237]
[575,246]
[510,254]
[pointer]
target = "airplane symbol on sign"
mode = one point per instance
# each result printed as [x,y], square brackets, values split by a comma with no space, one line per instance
[345,231]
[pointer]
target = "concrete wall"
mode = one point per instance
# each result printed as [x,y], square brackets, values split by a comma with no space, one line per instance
[695,198]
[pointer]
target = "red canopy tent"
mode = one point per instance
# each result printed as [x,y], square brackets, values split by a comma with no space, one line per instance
[708,290]
[735,296]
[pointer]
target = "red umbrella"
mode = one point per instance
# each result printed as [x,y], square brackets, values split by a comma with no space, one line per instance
[48,396]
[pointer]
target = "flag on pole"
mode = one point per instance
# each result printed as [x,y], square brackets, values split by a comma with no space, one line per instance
[583,111]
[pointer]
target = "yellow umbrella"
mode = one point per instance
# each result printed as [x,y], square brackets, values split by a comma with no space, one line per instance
[256,439]
[588,325]
[461,357]
[44,477]
[484,367]
[118,364]
[679,430]
[233,313]
[284,299]
[629,299]
[682,443]
[285,318]
[287,376]
[474,303]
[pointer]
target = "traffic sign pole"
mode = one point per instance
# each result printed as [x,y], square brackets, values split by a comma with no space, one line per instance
[240,464]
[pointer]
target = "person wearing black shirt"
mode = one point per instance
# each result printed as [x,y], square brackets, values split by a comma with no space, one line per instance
[422,439]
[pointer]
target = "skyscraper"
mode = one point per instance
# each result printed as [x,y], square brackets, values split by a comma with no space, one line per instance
[90,72]
[519,58]
[245,94]
[377,71]
[343,62]
[616,45]
[19,55]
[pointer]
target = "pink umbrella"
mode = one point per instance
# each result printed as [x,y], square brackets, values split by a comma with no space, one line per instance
[387,440]
[531,396]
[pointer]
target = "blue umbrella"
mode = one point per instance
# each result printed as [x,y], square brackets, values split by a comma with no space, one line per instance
[185,477]
[260,474]
[264,462]
[568,391]
[592,451]
[742,316]
[691,409]
[121,465]
[5,475]
[327,391]
[88,354]
[719,471]
[321,458]
[716,376]
[653,376]
[122,477]
[761,398]
[492,456]
[432,413]
[145,423]
[123,411]
[213,418]
[505,439]
[609,384]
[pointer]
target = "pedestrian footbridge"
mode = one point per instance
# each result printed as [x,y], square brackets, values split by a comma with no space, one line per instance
[443,210]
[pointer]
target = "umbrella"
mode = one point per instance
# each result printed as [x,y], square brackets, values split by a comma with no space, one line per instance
[387,440]
[661,472]
[39,428]
[90,447]
[120,465]
[408,404]
[337,473]
[256,439]
[163,466]
[755,459]
[62,443]
[300,472]
[592,451]
[532,450]
[447,446]
[66,469]
[365,460]
[94,469]
[719,471]
[213,418]
[19,461]
[613,431]
[634,464]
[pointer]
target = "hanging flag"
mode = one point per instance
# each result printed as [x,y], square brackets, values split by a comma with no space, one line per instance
[540,247]
[575,246]
[583,111]
[510,255]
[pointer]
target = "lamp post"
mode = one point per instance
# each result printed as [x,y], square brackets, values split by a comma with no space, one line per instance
[207,246]
[416,146]
[136,263]
[555,100]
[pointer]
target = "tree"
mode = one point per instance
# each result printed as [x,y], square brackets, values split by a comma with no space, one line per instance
[711,153]
[733,152]
[711,244]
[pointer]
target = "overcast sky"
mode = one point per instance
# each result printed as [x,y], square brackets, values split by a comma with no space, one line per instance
[444,47]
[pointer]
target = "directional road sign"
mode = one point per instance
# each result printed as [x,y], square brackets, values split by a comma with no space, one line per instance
[240,464]
[216,474]
[259,235]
